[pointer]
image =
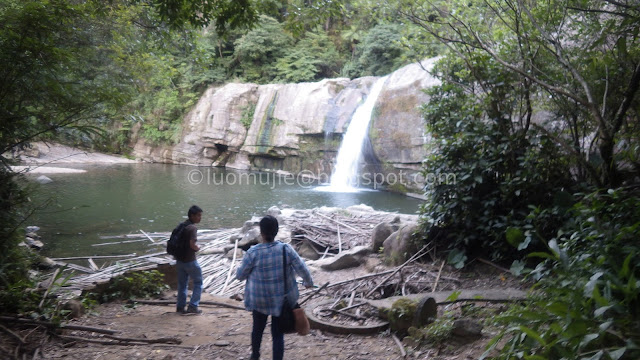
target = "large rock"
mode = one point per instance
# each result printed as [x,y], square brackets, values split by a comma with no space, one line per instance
[74,308]
[346,259]
[34,244]
[467,328]
[397,133]
[43,179]
[252,237]
[307,251]
[400,245]
[380,233]
[297,128]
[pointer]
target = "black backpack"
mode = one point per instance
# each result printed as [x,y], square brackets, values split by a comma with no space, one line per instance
[176,245]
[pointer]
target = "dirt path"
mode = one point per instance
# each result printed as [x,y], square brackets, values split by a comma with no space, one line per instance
[224,333]
[218,333]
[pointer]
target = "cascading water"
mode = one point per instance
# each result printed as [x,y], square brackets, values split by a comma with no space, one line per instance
[345,174]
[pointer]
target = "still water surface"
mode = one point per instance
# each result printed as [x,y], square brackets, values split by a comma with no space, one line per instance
[125,198]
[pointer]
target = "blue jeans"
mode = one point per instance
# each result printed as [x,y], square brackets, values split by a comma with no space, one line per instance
[185,271]
[259,323]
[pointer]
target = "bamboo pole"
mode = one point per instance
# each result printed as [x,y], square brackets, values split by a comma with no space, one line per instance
[341,223]
[233,261]
[416,256]
[148,237]
[94,257]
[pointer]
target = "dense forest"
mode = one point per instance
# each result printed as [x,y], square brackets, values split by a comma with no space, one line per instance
[537,115]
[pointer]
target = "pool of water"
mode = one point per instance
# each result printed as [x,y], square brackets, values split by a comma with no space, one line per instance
[126,198]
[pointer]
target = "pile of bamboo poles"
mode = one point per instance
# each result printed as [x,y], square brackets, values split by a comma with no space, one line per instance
[336,231]
[216,268]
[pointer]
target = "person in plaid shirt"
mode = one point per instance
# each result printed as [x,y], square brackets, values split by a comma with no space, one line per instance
[264,292]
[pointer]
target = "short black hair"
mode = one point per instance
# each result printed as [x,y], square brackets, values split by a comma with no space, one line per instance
[269,228]
[194,209]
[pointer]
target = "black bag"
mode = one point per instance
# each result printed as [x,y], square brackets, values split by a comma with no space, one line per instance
[176,246]
[287,319]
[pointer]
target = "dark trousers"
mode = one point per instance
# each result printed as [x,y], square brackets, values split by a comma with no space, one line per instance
[259,323]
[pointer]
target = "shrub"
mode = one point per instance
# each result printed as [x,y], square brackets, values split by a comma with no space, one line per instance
[134,285]
[589,304]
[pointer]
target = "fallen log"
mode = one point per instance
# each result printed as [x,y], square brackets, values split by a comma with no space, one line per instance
[164,340]
[131,342]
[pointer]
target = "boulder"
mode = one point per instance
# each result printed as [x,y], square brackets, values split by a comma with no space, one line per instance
[274,211]
[396,223]
[43,179]
[380,233]
[250,224]
[32,229]
[467,328]
[252,237]
[238,252]
[32,235]
[346,259]
[44,263]
[74,307]
[34,244]
[307,251]
[400,245]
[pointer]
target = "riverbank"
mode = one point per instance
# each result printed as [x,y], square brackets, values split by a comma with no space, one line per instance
[42,153]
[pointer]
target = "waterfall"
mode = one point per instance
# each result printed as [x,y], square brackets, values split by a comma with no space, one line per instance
[345,174]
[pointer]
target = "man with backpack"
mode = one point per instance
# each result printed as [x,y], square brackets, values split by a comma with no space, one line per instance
[183,248]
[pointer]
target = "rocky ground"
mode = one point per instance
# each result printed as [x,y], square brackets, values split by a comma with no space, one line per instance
[224,333]
[41,154]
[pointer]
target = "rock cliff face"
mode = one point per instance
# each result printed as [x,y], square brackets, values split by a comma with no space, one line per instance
[297,128]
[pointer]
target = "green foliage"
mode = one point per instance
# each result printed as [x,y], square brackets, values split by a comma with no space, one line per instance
[18,297]
[137,284]
[258,51]
[401,314]
[591,287]
[313,58]
[22,297]
[379,53]
[247,115]
[225,14]
[435,334]
[503,173]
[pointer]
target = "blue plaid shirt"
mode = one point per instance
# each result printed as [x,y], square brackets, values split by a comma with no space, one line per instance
[262,267]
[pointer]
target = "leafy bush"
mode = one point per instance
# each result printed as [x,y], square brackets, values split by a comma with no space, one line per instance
[134,285]
[588,306]
[313,58]
[380,52]
[258,51]
[490,178]
[247,115]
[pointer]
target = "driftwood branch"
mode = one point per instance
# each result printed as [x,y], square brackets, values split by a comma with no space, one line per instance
[163,340]
[94,257]
[435,284]
[316,291]
[485,261]
[400,346]
[10,332]
[340,223]
[122,341]
[413,258]
[61,326]
[46,293]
